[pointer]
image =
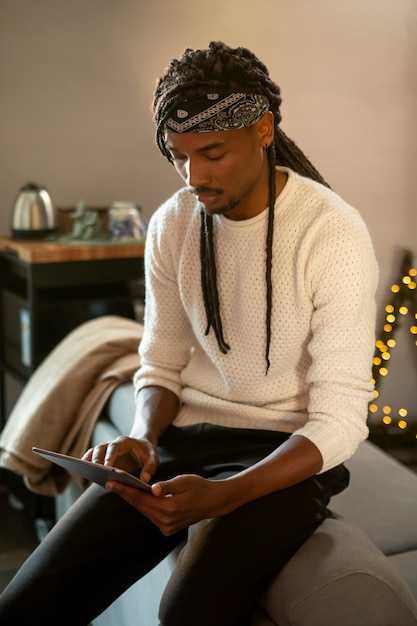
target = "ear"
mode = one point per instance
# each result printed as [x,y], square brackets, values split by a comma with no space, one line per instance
[265,129]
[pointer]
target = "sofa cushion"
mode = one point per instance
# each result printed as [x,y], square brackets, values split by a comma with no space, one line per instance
[406,563]
[381,499]
[121,408]
[339,577]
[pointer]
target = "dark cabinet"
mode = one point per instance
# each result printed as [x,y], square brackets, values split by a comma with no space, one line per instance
[46,290]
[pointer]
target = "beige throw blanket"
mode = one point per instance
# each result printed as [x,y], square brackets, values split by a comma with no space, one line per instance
[64,397]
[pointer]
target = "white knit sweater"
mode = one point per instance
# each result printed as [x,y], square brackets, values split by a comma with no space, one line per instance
[323,318]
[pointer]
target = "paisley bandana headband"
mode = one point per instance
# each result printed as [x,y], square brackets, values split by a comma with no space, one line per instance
[217,112]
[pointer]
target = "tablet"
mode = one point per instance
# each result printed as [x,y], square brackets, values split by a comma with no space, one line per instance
[94,472]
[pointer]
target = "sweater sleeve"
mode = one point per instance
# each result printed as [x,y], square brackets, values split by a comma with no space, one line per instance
[341,273]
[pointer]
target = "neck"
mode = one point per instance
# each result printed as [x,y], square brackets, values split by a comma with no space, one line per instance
[254,204]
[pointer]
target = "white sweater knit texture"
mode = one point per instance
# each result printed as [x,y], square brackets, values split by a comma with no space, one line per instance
[324,277]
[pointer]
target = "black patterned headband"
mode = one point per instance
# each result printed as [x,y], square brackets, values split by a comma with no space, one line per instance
[217,112]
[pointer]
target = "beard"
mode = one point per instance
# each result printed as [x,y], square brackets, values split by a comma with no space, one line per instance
[223,210]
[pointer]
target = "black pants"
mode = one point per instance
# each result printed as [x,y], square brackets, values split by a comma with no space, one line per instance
[103,545]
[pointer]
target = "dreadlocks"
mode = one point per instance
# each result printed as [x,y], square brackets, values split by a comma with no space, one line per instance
[220,68]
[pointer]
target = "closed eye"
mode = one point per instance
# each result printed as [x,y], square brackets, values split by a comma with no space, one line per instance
[214,158]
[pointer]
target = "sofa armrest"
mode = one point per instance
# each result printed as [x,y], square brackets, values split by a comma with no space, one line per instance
[339,577]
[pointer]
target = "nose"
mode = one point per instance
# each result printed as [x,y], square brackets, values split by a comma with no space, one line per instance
[196,173]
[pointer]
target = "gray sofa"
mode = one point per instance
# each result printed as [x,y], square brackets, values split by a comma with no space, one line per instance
[358,569]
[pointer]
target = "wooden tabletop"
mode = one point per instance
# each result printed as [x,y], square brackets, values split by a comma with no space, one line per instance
[66,249]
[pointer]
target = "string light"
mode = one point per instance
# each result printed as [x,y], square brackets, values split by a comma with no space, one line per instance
[403,303]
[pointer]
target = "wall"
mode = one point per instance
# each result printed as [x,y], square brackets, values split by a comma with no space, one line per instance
[77,79]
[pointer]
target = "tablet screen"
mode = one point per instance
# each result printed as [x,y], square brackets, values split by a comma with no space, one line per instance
[94,472]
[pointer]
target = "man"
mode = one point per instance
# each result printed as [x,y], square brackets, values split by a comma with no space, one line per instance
[255,365]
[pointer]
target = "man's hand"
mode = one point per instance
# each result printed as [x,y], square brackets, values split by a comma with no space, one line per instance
[126,453]
[177,503]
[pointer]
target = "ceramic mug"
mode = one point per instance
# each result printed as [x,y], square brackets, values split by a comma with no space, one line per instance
[125,222]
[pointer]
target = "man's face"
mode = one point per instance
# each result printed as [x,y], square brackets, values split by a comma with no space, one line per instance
[227,170]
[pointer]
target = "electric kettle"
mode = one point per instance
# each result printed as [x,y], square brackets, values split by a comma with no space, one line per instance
[34,216]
